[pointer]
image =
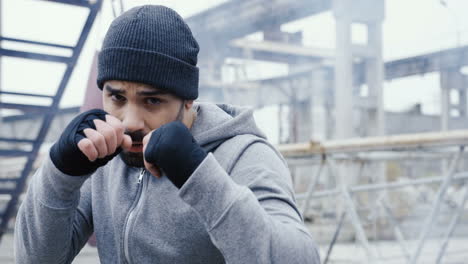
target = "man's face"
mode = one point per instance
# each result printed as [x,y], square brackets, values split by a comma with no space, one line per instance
[141,108]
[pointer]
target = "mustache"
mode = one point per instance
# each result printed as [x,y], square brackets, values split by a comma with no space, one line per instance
[137,136]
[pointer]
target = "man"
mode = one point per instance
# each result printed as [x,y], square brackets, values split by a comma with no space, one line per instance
[220,193]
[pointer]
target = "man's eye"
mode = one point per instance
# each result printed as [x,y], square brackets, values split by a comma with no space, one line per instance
[117,97]
[153,101]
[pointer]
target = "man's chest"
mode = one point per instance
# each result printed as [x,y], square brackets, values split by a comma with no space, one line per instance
[144,216]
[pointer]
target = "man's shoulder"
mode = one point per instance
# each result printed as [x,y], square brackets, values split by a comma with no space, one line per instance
[239,143]
[233,149]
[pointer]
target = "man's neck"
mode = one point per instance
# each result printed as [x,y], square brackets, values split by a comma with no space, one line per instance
[189,117]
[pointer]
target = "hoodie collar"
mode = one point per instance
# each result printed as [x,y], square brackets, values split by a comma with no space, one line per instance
[216,123]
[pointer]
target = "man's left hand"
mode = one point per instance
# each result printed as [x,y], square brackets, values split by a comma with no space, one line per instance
[172,149]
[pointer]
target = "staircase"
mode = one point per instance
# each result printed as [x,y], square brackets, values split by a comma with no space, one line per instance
[18,154]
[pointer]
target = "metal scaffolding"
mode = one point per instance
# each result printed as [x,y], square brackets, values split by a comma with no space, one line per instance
[27,149]
[326,78]
[364,151]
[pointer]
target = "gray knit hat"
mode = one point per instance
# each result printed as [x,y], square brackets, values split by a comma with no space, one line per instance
[153,45]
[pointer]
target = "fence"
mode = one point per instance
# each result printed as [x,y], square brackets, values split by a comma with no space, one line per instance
[346,169]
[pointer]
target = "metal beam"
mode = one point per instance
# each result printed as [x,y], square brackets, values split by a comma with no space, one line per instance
[7,191]
[396,228]
[453,224]
[36,43]
[252,92]
[2,180]
[448,59]
[84,3]
[426,229]
[24,107]
[381,143]
[261,55]
[382,186]
[234,19]
[17,140]
[433,62]
[33,56]
[14,152]
[284,48]
[30,116]
[26,94]
[279,51]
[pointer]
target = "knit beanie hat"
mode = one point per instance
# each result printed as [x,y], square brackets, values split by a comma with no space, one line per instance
[152,45]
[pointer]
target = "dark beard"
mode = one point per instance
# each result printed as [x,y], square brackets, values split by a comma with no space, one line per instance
[132,159]
[135,159]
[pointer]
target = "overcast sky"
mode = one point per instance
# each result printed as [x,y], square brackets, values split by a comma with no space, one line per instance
[411,27]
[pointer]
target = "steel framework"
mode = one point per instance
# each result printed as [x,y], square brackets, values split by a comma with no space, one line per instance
[338,153]
[29,148]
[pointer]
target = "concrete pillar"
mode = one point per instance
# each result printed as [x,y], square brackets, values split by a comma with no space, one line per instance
[304,119]
[212,73]
[459,87]
[444,100]
[343,92]
[370,13]
[301,92]
[280,124]
[343,80]
[319,105]
[375,79]
[444,109]
[462,101]
[294,112]
[451,81]
[376,113]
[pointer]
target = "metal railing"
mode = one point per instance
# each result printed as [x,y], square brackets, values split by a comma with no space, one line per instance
[344,162]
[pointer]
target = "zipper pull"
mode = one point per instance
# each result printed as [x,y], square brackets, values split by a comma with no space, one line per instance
[142,173]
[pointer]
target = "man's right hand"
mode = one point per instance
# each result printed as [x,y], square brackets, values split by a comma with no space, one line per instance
[89,142]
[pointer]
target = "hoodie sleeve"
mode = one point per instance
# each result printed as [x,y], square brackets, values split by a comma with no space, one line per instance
[54,221]
[251,214]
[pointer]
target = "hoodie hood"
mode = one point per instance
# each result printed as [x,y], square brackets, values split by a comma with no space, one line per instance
[216,123]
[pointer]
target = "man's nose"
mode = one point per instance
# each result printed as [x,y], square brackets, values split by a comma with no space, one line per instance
[133,120]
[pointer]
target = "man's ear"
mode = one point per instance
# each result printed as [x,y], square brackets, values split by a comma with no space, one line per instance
[188,104]
[189,115]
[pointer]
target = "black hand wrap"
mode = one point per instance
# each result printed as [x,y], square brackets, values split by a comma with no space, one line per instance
[66,155]
[173,149]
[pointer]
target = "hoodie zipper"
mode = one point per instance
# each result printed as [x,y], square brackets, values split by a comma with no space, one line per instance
[132,212]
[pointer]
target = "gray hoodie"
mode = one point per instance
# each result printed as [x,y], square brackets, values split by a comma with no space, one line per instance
[237,207]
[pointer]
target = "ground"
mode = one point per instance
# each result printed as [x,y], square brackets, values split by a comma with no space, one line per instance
[389,252]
